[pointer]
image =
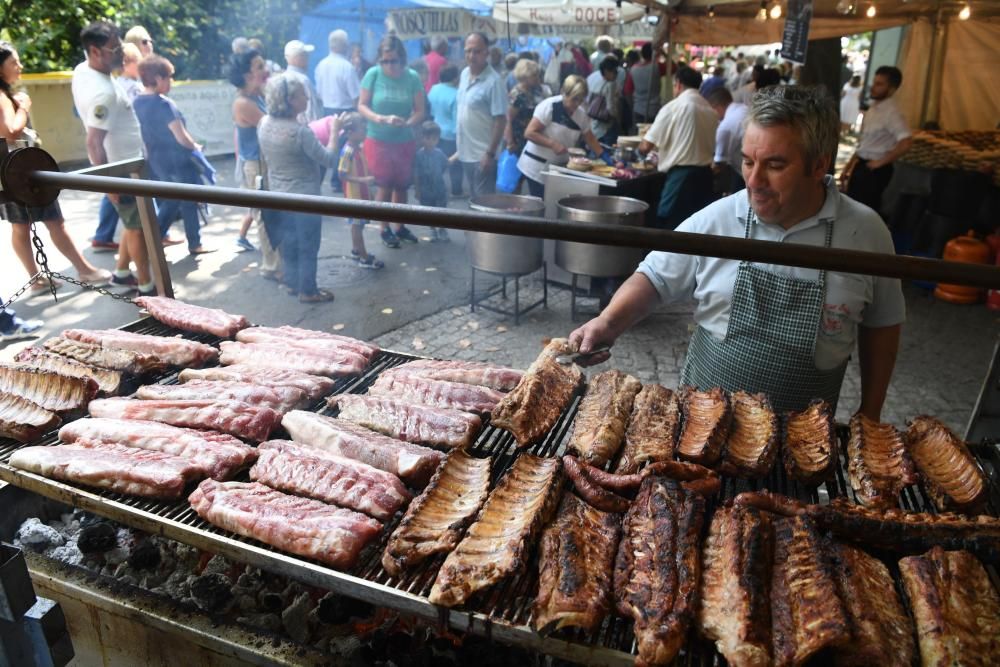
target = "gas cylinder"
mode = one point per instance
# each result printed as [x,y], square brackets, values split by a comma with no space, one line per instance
[964,249]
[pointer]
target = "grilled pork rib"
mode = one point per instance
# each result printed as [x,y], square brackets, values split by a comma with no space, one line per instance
[288,357]
[956,608]
[279,399]
[881,631]
[877,463]
[658,567]
[188,317]
[408,421]
[532,408]
[754,436]
[951,475]
[652,428]
[307,337]
[436,519]
[302,526]
[437,393]
[244,421]
[806,612]
[125,361]
[574,568]
[736,585]
[108,381]
[809,446]
[52,391]
[170,350]
[601,420]
[498,542]
[23,420]
[707,418]
[314,386]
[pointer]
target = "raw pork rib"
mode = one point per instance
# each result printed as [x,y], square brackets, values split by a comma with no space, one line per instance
[219,454]
[184,316]
[466,372]
[302,526]
[409,422]
[171,350]
[314,386]
[437,393]
[23,420]
[275,355]
[239,419]
[58,393]
[136,472]
[279,399]
[306,338]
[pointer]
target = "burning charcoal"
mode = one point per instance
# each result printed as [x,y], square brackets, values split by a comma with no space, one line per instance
[88,519]
[145,556]
[35,535]
[212,592]
[332,609]
[97,538]
[217,565]
[295,618]
[358,608]
[271,601]
[401,649]
[271,622]
[249,582]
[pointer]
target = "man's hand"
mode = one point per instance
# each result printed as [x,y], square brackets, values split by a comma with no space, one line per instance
[487,160]
[557,147]
[593,334]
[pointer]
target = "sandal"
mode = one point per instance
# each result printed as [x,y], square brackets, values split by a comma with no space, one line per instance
[319,297]
[41,284]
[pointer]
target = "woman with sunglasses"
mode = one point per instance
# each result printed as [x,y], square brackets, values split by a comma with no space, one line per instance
[392,100]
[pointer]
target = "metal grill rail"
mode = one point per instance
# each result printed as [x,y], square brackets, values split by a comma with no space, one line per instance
[502,613]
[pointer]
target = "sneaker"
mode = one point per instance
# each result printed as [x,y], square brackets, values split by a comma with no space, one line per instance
[150,292]
[244,243]
[96,277]
[370,262]
[389,239]
[22,330]
[404,234]
[128,281]
[103,246]
[439,235]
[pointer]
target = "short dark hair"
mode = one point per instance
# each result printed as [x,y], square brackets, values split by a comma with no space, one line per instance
[153,66]
[480,35]
[239,65]
[688,78]
[448,74]
[609,64]
[892,74]
[719,96]
[430,129]
[632,57]
[646,50]
[393,44]
[769,77]
[97,34]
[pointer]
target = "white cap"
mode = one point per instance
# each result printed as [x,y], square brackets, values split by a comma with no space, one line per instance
[241,44]
[296,47]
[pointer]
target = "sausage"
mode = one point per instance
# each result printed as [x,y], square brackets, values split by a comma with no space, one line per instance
[608,480]
[706,486]
[679,470]
[770,502]
[595,495]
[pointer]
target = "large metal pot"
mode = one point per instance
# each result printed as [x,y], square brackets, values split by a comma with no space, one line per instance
[500,253]
[596,260]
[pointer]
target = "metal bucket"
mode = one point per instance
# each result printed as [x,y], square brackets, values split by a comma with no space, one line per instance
[500,253]
[589,259]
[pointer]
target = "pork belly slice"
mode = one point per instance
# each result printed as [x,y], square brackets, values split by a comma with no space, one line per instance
[754,436]
[951,476]
[497,544]
[877,463]
[413,464]
[244,421]
[48,390]
[134,472]
[172,350]
[735,608]
[707,417]
[955,607]
[574,567]
[437,393]
[221,455]
[881,631]
[466,372]
[287,466]
[188,317]
[601,420]
[279,399]
[652,429]
[302,526]
[274,355]
[532,408]
[436,519]
[108,381]
[314,386]
[657,571]
[409,422]
[23,420]
[807,613]
[126,361]
[809,446]
[306,337]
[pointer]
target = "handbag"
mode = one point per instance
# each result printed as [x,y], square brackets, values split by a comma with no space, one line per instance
[597,106]
[508,175]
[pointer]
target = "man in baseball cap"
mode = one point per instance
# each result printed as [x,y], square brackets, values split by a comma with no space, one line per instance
[297,57]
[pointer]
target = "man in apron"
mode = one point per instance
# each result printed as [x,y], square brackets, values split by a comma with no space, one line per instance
[785,331]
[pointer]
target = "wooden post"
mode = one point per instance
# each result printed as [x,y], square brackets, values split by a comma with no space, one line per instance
[154,246]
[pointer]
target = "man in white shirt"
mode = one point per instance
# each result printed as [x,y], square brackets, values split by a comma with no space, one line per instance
[297,57]
[112,135]
[481,116]
[683,135]
[781,330]
[336,80]
[885,136]
[728,140]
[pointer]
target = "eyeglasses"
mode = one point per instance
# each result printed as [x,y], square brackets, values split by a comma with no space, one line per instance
[147,42]
[117,49]
[472,52]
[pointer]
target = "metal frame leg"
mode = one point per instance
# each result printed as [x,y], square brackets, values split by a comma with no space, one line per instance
[472,292]
[517,300]
[545,286]
[572,299]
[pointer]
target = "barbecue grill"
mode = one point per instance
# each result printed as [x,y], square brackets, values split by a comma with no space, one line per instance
[502,613]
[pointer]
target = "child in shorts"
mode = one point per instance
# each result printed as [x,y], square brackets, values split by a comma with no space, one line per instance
[356,181]
[429,167]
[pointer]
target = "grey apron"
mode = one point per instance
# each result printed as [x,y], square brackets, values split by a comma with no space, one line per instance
[770,342]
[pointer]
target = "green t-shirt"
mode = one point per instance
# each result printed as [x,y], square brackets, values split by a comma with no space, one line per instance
[391,97]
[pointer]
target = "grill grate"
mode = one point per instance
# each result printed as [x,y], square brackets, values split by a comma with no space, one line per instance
[504,612]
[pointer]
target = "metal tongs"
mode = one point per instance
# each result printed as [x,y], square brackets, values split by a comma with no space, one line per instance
[575,357]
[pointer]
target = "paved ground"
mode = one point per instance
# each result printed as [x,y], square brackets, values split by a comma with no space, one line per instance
[419,304]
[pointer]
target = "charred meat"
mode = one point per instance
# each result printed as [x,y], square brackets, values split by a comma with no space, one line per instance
[951,475]
[599,428]
[108,381]
[52,391]
[877,463]
[810,444]
[707,418]
[754,436]
[652,428]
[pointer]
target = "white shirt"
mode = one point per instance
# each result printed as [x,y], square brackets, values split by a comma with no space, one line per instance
[729,136]
[882,127]
[337,83]
[558,125]
[480,99]
[597,84]
[851,299]
[104,106]
[684,132]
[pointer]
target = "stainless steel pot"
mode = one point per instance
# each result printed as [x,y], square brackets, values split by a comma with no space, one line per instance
[596,260]
[499,253]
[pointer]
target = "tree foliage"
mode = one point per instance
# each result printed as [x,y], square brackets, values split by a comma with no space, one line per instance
[194,34]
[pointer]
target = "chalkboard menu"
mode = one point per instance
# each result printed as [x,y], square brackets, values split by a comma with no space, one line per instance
[795,39]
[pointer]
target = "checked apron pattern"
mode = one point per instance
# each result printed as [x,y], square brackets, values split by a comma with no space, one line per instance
[770,342]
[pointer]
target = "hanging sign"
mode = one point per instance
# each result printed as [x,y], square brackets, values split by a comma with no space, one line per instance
[795,39]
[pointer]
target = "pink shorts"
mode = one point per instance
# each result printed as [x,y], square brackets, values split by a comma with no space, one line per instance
[390,164]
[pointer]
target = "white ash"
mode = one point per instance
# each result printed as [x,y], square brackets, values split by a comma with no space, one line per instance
[68,554]
[35,536]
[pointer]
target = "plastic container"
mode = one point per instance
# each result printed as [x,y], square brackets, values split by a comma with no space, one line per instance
[967,249]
